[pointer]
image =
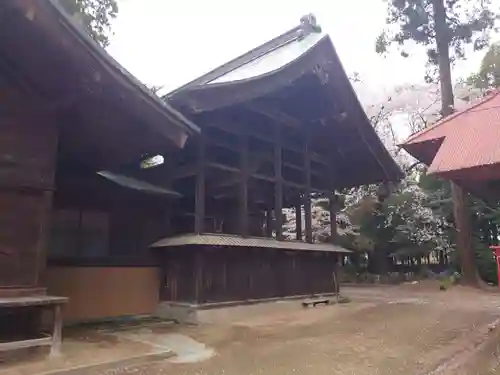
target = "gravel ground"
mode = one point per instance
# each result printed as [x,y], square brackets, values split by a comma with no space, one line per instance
[411,329]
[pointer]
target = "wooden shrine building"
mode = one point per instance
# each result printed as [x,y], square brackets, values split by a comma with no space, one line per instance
[82,218]
[279,125]
[67,111]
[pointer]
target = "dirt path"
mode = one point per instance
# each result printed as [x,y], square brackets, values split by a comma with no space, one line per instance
[391,330]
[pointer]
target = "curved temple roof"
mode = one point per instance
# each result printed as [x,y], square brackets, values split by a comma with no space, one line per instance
[300,74]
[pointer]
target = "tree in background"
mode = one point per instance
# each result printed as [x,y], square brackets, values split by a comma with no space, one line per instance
[94,15]
[488,75]
[444,27]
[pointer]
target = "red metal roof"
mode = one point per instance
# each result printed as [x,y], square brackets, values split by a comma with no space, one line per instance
[440,128]
[470,139]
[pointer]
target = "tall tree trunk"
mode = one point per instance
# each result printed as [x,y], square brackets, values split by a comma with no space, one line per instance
[462,220]
[466,255]
[443,49]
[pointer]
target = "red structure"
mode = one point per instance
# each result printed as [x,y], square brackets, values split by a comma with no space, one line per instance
[464,147]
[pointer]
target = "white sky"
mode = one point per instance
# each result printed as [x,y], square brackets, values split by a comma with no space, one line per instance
[169,43]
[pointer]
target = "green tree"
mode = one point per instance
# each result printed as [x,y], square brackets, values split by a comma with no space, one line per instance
[444,27]
[95,16]
[488,75]
[484,218]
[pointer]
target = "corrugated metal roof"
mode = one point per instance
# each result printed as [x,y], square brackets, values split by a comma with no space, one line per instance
[135,184]
[237,241]
[470,138]
[441,128]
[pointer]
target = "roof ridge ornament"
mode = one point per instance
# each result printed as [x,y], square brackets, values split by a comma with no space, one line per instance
[308,25]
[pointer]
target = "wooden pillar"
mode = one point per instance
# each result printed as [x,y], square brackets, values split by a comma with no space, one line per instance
[298,220]
[269,223]
[55,348]
[333,217]
[278,184]
[243,196]
[44,235]
[198,276]
[307,192]
[26,191]
[199,221]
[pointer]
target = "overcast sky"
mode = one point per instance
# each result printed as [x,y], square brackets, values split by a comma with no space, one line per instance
[171,42]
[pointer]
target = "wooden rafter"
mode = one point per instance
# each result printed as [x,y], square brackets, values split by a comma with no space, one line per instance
[285,145]
[256,160]
[275,114]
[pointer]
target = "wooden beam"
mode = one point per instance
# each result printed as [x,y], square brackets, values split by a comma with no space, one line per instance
[222,167]
[307,190]
[253,165]
[14,345]
[217,142]
[262,137]
[199,222]
[185,171]
[278,184]
[192,169]
[243,196]
[274,114]
[261,177]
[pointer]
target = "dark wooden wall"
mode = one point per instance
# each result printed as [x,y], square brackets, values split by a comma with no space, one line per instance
[103,224]
[28,149]
[219,274]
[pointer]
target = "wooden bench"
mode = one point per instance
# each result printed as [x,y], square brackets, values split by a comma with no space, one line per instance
[315,301]
[43,302]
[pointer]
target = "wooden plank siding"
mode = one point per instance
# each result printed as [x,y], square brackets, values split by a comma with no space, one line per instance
[21,214]
[239,274]
[28,150]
